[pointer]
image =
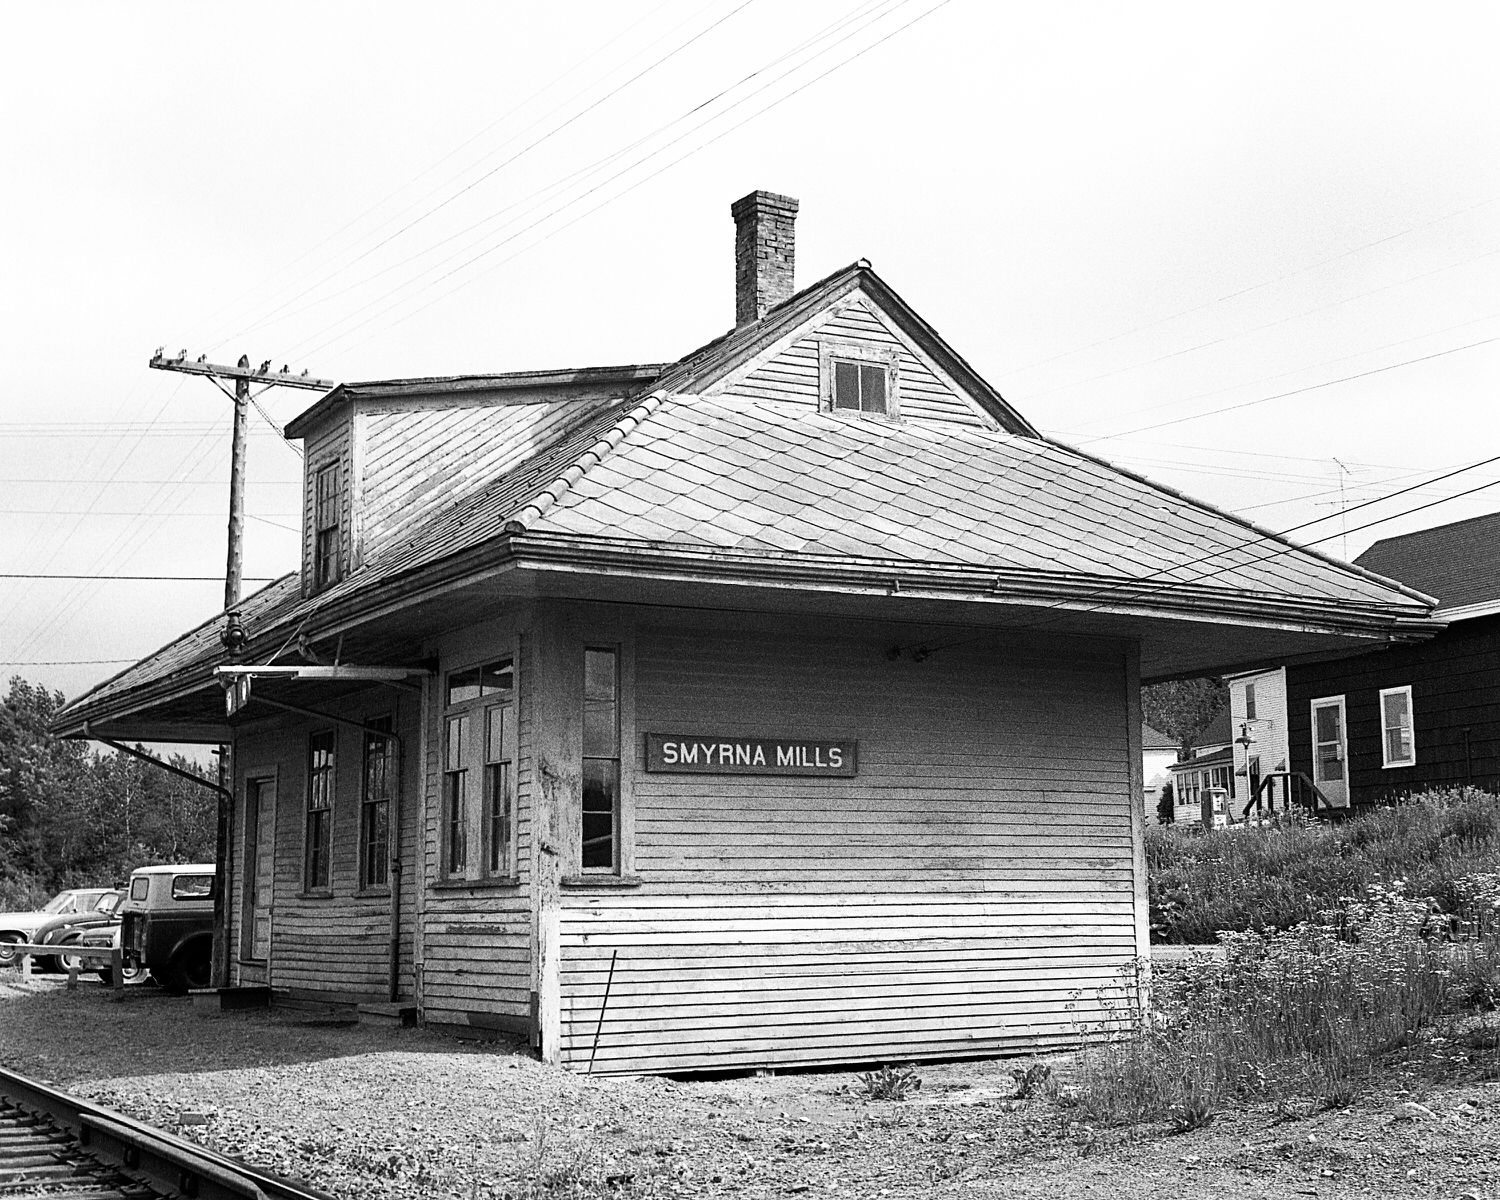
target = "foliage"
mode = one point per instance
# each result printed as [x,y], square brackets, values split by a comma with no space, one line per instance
[1166,807]
[891,1083]
[1184,708]
[1202,882]
[72,817]
[1030,1080]
[1307,1012]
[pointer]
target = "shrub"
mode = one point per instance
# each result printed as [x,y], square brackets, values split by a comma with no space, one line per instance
[1304,1012]
[1276,877]
[890,1083]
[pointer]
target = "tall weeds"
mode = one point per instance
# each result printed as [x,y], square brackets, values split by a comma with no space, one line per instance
[1275,878]
[1309,1012]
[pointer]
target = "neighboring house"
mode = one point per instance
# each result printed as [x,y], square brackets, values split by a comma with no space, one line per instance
[1158,753]
[1205,776]
[1381,725]
[1257,718]
[779,705]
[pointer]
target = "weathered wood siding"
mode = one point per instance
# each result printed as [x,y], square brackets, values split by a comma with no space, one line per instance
[415,459]
[793,373]
[333,948]
[970,891]
[1455,692]
[476,938]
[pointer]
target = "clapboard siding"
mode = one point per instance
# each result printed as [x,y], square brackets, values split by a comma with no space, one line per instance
[335,947]
[415,460]
[970,890]
[792,374]
[477,962]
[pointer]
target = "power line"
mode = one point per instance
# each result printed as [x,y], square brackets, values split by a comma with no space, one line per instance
[1294,392]
[134,578]
[435,164]
[623,192]
[1258,286]
[432,211]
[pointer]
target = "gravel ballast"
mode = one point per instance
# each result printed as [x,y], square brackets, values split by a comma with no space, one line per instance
[381,1112]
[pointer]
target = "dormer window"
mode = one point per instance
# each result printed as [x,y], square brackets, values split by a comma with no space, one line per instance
[858,379]
[326,526]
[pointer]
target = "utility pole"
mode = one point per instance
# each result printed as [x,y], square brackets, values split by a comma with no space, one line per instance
[243,376]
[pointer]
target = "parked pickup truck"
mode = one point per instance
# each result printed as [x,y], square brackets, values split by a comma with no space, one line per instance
[168,924]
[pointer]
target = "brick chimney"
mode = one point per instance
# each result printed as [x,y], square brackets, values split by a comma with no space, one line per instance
[764,253]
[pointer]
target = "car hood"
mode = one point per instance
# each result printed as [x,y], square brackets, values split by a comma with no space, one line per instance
[72,921]
[29,921]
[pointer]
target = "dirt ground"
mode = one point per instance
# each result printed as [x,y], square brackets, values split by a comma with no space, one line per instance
[369,1112]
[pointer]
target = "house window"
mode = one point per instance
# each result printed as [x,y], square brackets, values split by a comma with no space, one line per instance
[601,761]
[326,526]
[479,772]
[320,763]
[1252,773]
[499,788]
[375,807]
[1249,702]
[860,386]
[1398,742]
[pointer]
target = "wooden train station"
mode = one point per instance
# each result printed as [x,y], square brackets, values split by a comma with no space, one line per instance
[778,705]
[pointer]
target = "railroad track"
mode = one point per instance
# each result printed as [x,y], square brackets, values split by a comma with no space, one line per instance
[57,1146]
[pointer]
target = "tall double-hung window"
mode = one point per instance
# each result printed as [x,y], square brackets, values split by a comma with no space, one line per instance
[375,806]
[319,830]
[326,526]
[600,849]
[479,773]
[1398,742]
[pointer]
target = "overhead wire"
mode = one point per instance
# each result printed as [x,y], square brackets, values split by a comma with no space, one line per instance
[468,187]
[624,191]
[498,121]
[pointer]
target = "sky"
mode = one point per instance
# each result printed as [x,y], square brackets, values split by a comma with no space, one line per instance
[1251,251]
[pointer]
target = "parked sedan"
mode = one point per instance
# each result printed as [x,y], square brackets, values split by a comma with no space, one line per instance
[22,926]
[69,927]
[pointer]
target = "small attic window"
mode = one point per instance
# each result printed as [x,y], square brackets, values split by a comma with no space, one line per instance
[858,379]
[859,386]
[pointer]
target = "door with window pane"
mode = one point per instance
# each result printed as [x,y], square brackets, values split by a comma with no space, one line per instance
[1330,749]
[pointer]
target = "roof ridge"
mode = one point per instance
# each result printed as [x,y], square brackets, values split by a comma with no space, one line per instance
[580,466]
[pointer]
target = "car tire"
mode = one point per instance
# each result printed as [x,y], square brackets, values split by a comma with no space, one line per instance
[66,962]
[192,967]
[7,955]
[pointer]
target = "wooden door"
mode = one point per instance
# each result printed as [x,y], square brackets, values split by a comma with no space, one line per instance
[260,867]
[1330,749]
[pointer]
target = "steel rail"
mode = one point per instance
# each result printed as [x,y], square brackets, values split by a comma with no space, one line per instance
[70,1147]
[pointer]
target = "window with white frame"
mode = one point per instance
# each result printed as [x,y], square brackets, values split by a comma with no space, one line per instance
[1249,702]
[326,563]
[479,756]
[599,848]
[1398,743]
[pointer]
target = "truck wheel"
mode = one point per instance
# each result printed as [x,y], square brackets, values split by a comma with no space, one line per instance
[191,968]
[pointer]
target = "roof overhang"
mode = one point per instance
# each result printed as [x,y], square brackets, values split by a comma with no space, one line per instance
[1181,632]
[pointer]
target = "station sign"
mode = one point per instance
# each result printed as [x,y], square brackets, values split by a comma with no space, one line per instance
[708,754]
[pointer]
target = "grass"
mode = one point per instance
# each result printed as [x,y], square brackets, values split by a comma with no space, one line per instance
[1277,877]
[1339,952]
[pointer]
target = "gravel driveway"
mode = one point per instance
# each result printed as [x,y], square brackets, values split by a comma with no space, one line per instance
[406,1113]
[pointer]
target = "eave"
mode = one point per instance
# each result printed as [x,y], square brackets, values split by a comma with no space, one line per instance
[1011,602]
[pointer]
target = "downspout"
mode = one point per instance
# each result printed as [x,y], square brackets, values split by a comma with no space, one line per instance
[221,864]
[394,953]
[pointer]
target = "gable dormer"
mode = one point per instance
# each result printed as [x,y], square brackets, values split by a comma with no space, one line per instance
[846,345]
